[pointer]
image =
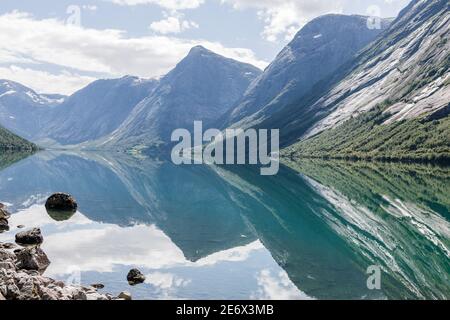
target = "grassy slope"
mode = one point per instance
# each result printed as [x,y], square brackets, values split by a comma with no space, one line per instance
[426,185]
[364,137]
[11,142]
[9,158]
[373,190]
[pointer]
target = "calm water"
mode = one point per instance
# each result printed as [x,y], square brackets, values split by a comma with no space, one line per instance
[201,232]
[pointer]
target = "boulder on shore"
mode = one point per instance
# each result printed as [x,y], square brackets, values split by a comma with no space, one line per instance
[7,256]
[135,277]
[61,202]
[32,259]
[30,237]
[21,275]
[7,246]
[4,216]
[3,225]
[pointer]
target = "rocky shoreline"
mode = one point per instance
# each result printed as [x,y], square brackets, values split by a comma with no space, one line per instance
[23,264]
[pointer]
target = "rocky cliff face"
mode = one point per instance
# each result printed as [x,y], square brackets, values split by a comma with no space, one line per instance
[393,104]
[317,51]
[202,87]
[406,69]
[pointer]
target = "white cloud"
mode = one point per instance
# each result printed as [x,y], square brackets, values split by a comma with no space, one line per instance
[110,52]
[167,4]
[103,246]
[283,18]
[165,280]
[277,287]
[45,82]
[172,25]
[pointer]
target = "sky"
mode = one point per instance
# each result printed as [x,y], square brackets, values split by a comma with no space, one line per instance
[60,46]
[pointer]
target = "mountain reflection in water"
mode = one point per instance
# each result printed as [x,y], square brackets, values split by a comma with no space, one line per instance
[226,232]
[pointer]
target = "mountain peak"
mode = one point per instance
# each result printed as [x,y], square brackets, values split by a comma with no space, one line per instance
[199,50]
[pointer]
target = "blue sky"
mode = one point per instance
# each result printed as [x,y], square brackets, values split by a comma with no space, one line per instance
[60,46]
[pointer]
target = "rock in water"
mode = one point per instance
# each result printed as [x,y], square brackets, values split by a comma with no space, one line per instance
[135,277]
[124,295]
[32,259]
[98,286]
[30,237]
[60,215]
[62,202]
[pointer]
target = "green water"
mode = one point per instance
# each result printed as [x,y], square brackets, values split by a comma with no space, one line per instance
[205,232]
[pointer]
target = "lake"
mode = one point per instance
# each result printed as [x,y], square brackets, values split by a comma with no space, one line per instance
[208,232]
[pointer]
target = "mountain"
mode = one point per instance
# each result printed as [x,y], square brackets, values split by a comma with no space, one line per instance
[189,203]
[314,54]
[11,142]
[395,102]
[203,86]
[96,110]
[380,207]
[22,110]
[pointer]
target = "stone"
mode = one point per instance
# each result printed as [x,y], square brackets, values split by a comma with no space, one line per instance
[4,214]
[20,226]
[125,295]
[7,265]
[7,246]
[30,237]
[4,225]
[61,201]
[32,259]
[95,296]
[6,256]
[21,279]
[135,277]
[98,286]
[74,293]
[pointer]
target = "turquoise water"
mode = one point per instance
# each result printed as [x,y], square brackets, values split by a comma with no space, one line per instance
[205,232]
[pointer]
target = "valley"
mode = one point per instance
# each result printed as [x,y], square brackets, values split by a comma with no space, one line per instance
[350,93]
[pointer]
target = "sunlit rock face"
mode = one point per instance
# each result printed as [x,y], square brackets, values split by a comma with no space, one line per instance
[414,47]
[316,53]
